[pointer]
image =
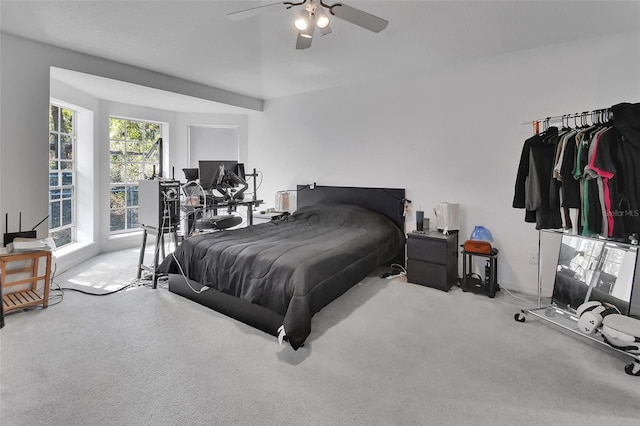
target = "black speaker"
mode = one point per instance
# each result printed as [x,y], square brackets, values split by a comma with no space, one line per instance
[159,203]
[420,221]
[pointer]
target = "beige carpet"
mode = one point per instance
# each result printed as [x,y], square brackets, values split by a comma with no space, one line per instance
[385,353]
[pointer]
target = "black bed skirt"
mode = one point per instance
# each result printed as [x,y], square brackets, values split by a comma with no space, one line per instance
[239,309]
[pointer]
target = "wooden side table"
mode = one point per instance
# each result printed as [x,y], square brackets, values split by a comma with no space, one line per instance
[32,296]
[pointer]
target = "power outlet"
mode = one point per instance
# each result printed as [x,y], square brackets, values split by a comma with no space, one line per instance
[533,258]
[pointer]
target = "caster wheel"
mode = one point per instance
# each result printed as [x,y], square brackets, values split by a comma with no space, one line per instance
[632,369]
[519,317]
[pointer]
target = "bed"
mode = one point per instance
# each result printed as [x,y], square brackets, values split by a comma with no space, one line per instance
[275,276]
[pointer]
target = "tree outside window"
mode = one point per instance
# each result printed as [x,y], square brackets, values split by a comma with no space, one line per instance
[134,156]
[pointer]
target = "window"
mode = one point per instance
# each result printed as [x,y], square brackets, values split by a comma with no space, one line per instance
[134,155]
[62,141]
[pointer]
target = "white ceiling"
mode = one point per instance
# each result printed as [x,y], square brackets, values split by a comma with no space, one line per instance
[194,40]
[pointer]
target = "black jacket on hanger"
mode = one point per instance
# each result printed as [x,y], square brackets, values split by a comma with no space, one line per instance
[626,121]
[535,187]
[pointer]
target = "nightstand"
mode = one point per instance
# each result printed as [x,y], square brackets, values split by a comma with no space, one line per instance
[432,259]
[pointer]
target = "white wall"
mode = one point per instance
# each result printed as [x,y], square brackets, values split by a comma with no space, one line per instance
[453,135]
[212,142]
[180,157]
[24,129]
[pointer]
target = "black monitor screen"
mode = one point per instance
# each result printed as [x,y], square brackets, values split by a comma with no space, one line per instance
[210,171]
[240,171]
[190,174]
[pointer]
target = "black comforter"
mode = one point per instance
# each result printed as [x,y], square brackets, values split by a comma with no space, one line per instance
[293,266]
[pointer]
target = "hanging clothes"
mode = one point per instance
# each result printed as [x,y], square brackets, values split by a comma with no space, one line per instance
[602,177]
[626,123]
[535,189]
[593,170]
[570,185]
[565,149]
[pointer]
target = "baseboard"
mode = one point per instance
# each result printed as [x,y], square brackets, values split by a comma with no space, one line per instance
[67,257]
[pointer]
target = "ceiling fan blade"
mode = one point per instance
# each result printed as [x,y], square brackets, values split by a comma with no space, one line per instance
[303,42]
[359,17]
[257,11]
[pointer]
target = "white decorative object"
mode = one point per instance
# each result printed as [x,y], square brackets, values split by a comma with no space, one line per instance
[447,217]
[282,201]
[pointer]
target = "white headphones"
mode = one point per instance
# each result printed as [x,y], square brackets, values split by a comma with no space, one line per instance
[590,315]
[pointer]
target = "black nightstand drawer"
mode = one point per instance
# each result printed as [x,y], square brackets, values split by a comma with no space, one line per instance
[429,274]
[427,249]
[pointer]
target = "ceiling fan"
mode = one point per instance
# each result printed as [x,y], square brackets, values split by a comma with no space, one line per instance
[315,13]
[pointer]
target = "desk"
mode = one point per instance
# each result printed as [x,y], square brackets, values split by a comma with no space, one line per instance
[32,296]
[194,212]
[233,204]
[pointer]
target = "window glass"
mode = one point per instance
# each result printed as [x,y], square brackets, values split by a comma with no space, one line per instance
[134,156]
[62,204]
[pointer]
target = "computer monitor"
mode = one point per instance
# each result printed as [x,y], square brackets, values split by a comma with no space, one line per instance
[210,173]
[191,174]
[240,171]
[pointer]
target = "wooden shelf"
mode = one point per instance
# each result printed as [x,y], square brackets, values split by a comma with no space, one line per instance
[22,299]
[31,296]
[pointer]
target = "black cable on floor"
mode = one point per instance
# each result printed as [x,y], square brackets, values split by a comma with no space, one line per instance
[61,289]
[97,294]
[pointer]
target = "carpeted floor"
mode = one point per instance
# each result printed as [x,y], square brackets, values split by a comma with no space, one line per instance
[385,353]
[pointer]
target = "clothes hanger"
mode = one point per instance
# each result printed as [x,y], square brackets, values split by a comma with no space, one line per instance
[584,123]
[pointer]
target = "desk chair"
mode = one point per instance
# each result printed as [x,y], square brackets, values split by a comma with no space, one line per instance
[196,206]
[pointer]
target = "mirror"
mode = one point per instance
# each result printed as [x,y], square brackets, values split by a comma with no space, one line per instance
[594,269]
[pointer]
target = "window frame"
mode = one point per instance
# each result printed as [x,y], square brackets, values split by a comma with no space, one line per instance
[67,191]
[129,187]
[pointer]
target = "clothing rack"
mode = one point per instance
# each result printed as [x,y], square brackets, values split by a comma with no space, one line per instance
[595,116]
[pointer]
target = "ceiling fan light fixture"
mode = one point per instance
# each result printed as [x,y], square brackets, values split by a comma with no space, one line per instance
[307,32]
[322,20]
[324,31]
[302,23]
[315,13]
